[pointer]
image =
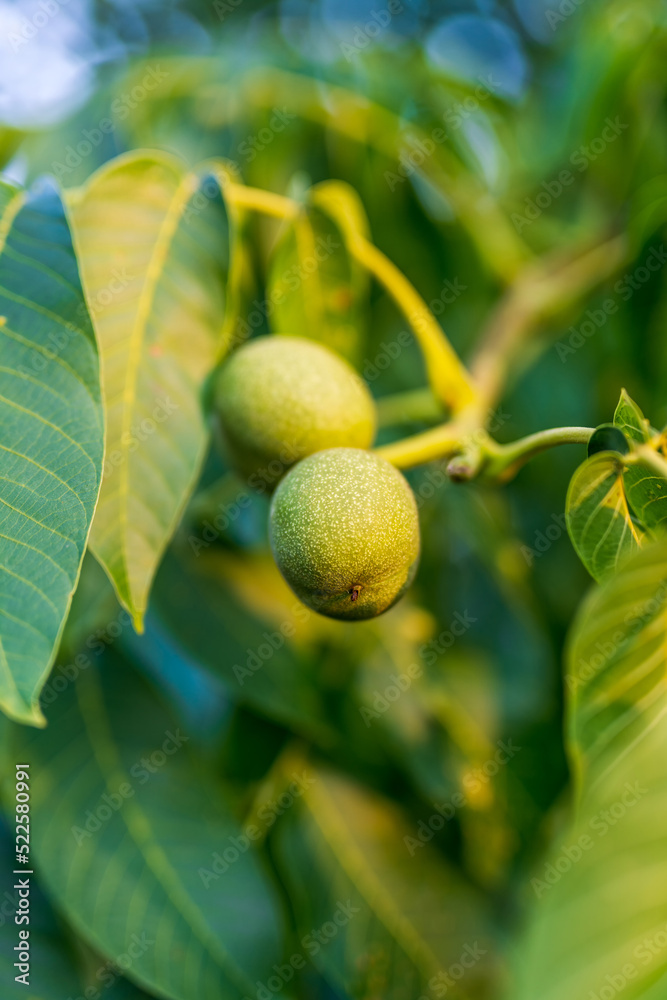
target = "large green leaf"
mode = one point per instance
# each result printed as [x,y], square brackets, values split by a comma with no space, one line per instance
[376,918]
[124,821]
[316,289]
[599,519]
[51,438]
[154,242]
[601,926]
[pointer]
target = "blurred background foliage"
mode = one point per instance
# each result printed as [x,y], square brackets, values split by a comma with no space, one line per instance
[294,93]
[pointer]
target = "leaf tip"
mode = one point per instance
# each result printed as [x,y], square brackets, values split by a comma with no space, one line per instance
[138,622]
[23,713]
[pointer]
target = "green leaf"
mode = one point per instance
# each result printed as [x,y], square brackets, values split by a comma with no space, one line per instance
[646,491]
[608,437]
[315,286]
[129,832]
[601,926]
[599,519]
[154,244]
[611,506]
[52,968]
[51,439]
[402,917]
[630,419]
[647,495]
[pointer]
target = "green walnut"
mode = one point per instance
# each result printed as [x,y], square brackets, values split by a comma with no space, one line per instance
[281,398]
[344,531]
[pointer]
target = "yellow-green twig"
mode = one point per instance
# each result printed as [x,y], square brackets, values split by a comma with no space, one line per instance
[448,377]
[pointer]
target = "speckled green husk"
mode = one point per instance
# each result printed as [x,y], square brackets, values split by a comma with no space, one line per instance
[344,519]
[281,398]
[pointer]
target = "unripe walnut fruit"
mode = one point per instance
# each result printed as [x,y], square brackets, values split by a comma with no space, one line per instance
[344,532]
[281,398]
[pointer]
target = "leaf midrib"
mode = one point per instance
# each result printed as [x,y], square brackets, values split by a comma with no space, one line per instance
[91,706]
[186,188]
[332,827]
